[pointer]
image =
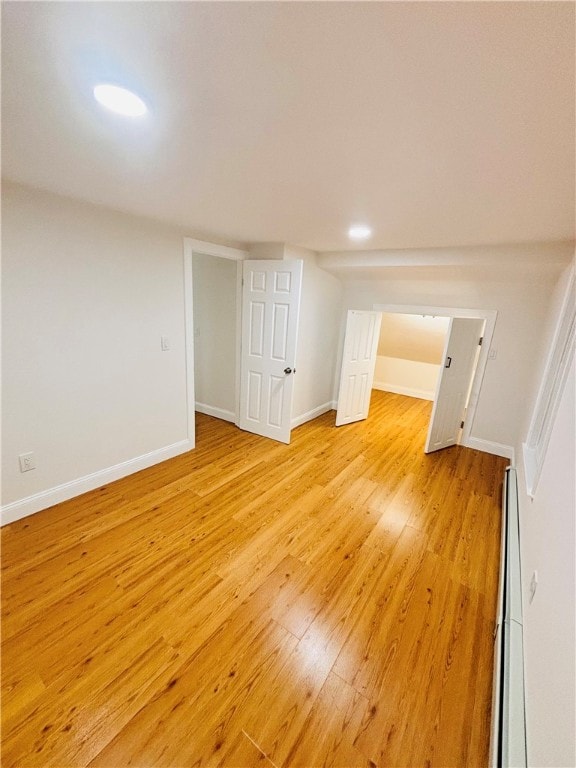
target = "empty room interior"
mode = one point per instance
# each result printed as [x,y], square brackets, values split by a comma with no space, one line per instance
[288,384]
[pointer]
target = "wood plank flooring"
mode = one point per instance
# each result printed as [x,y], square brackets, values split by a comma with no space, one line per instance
[327,603]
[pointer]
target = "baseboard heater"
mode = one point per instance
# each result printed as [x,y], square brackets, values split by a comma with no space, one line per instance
[508,732]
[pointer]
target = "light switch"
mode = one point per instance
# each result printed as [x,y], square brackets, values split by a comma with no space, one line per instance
[165,343]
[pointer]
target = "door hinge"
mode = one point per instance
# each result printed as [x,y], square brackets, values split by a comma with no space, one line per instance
[461,425]
[480,341]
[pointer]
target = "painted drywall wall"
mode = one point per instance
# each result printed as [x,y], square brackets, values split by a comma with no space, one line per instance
[548,547]
[267,251]
[520,296]
[547,539]
[413,337]
[406,377]
[214,282]
[559,294]
[318,335]
[87,294]
[410,351]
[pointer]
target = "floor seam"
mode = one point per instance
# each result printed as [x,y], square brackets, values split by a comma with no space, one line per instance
[259,748]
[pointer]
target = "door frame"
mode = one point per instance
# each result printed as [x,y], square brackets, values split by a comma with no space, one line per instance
[489,315]
[190,247]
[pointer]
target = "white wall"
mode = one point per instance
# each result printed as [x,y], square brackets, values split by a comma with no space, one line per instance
[87,294]
[413,337]
[406,377]
[521,298]
[547,538]
[410,351]
[214,281]
[317,338]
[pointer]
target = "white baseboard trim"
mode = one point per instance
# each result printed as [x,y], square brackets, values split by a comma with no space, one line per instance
[422,394]
[487,446]
[218,413]
[314,413]
[35,503]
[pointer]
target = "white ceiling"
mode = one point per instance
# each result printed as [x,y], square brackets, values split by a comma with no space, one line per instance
[439,124]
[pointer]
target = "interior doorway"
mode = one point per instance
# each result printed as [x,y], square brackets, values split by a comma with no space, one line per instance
[215,349]
[467,337]
[410,354]
[219,342]
[212,305]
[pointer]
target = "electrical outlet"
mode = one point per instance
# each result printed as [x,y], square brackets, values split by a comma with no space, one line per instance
[27,462]
[533,585]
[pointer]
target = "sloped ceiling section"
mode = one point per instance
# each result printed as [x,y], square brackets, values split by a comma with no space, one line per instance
[438,124]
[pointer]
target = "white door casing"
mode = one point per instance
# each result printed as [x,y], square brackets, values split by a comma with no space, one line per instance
[358,363]
[454,382]
[270,308]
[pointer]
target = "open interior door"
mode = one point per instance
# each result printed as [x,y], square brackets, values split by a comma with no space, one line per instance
[270,308]
[454,382]
[358,363]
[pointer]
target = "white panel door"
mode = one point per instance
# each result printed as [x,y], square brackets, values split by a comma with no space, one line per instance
[270,308]
[358,363]
[454,382]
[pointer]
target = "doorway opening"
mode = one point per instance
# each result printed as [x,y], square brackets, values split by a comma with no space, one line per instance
[212,306]
[455,377]
[241,327]
[410,354]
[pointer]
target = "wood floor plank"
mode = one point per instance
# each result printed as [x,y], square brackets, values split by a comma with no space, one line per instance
[245,752]
[69,726]
[192,720]
[328,736]
[324,603]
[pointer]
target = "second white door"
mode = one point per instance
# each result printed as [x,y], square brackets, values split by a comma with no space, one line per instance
[270,308]
[454,382]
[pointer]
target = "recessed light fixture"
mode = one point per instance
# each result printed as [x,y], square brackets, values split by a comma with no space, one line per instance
[359,232]
[119,100]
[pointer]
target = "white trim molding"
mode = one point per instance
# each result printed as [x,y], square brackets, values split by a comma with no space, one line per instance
[189,346]
[39,501]
[421,394]
[213,249]
[313,414]
[218,413]
[488,446]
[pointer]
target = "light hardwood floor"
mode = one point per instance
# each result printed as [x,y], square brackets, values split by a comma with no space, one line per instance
[327,603]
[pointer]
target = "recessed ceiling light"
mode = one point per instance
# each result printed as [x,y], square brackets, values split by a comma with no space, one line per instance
[120,100]
[359,232]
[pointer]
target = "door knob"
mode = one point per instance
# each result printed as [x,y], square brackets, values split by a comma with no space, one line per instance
[287,370]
